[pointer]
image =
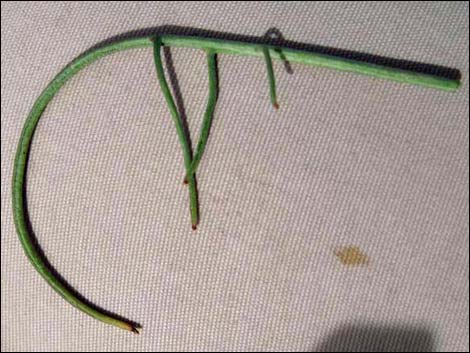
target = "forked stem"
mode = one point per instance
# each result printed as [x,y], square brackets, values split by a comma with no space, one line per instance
[157,46]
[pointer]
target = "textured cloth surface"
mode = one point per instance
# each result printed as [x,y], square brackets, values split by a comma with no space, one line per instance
[347,161]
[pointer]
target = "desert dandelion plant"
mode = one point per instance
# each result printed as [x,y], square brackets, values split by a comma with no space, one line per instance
[212,47]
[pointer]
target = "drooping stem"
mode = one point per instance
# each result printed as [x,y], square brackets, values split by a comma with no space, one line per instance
[26,237]
[207,121]
[271,79]
[179,130]
[28,242]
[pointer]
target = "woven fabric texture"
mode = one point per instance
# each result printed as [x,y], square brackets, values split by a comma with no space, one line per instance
[372,166]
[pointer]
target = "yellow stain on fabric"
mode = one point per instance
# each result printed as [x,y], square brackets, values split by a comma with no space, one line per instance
[352,256]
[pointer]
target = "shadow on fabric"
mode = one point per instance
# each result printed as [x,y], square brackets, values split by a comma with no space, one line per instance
[378,338]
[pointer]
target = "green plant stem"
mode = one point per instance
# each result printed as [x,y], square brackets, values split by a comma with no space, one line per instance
[19,187]
[207,121]
[179,129]
[271,79]
[314,59]
[226,47]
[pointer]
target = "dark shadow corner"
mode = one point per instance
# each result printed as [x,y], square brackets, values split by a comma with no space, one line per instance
[378,338]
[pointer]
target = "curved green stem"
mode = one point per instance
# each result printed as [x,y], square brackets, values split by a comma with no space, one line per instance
[218,46]
[271,79]
[179,129]
[19,188]
[207,121]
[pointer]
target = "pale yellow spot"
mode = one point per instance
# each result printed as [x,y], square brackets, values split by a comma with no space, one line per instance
[352,256]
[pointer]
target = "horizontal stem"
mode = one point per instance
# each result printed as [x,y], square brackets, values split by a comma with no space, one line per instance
[314,59]
[310,58]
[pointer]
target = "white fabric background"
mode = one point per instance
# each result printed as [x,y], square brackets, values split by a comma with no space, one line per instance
[347,160]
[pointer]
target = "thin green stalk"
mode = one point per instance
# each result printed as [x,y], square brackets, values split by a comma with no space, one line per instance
[271,79]
[27,239]
[314,59]
[207,121]
[179,129]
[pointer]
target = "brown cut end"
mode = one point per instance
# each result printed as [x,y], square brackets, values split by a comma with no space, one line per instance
[194,227]
[135,330]
[276,105]
[185,181]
